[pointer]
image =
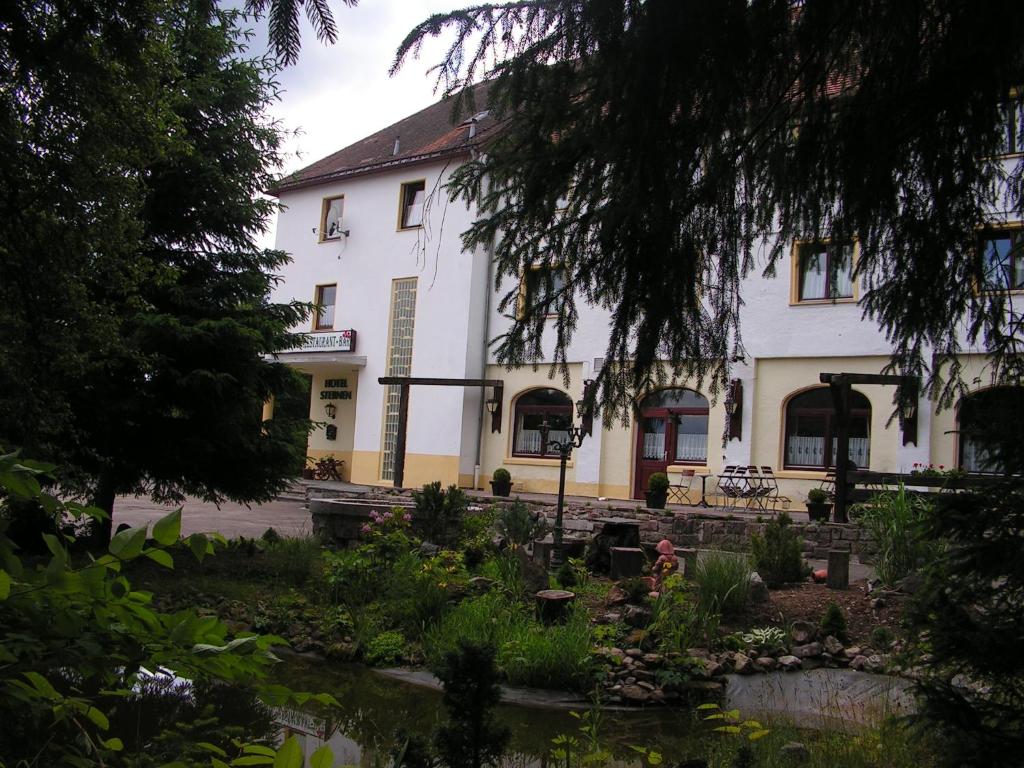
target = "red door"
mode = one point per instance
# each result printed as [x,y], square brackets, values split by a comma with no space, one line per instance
[652,450]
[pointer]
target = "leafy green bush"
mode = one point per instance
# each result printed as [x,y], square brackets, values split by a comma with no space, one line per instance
[882,638]
[778,554]
[723,582]
[817,496]
[519,524]
[439,513]
[636,589]
[658,483]
[385,649]
[528,653]
[501,475]
[679,621]
[894,520]
[833,622]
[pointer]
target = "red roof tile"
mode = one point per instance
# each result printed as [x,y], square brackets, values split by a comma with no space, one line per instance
[429,134]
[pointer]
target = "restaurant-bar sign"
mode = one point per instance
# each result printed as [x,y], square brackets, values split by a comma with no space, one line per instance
[329,341]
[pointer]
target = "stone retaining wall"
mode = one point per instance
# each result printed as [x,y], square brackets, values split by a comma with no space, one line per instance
[339,521]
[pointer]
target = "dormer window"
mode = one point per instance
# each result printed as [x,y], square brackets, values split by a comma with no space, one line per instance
[412,200]
[330,218]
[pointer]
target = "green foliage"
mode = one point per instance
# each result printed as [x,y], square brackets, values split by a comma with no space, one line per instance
[679,620]
[471,738]
[439,513]
[501,475]
[506,571]
[566,575]
[636,589]
[882,638]
[658,483]
[833,622]
[519,524]
[134,216]
[778,554]
[385,649]
[893,520]
[744,98]
[723,582]
[528,653]
[764,638]
[817,496]
[75,639]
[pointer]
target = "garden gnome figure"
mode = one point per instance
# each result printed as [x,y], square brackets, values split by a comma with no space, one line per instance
[666,564]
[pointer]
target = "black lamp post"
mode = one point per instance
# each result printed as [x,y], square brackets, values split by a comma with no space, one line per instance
[573,439]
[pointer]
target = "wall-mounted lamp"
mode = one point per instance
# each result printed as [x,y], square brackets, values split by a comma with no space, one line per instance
[493,405]
[585,407]
[908,412]
[331,410]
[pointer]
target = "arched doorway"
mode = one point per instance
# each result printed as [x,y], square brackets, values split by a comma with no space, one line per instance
[672,429]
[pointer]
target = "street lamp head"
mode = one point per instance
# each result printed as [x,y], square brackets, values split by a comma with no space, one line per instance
[492,404]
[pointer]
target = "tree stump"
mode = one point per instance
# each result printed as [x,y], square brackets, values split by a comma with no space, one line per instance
[553,605]
[838,569]
[626,562]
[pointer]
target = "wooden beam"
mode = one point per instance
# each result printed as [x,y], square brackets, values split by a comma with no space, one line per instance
[840,387]
[407,380]
[868,378]
[403,419]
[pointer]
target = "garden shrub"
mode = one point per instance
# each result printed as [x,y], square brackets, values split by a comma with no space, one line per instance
[505,570]
[471,738]
[528,653]
[566,575]
[778,554]
[723,582]
[636,589]
[893,520]
[440,513]
[882,638]
[385,649]
[833,622]
[679,621]
[519,524]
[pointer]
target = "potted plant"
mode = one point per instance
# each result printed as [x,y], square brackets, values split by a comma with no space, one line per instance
[501,482]
[657,490]
[818,506]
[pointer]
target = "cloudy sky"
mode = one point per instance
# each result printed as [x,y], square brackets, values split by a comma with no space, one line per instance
[338,94]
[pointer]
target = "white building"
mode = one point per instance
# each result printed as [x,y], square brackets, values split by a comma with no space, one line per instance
[377,244]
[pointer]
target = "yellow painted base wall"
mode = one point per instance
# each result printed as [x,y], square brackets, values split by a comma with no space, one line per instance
[420,468]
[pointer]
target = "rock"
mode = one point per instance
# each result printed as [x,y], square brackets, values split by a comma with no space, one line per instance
[647,686]
[808,651]
[654,659]
[637,616]
[833,646]
[634,653]
[877,604]
[874,663]
[634,694]
[852,652]
[910,583]
[713,669]
[803,632]
[765,664]
[429,550]
[794,753]
[535,577]
[858,663]
[790,663]
[742,665]
[616,596]
[479,584]
[758,589]
[612,617]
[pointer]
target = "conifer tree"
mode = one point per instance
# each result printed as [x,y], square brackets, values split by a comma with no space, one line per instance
[134,300]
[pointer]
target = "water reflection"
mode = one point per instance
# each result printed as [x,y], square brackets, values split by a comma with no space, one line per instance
[374,708]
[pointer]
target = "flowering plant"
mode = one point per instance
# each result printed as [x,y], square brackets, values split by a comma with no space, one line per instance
[931,470]
[386,535]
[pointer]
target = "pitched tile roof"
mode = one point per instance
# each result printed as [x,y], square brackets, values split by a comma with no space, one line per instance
[429,134]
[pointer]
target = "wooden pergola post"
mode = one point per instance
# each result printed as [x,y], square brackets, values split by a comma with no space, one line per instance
[404,382]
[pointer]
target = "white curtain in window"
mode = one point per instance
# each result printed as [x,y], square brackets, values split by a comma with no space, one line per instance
[529,440]
[812,285]
[654,446]
[691,447]
[842,272]
[860,450]
[806,451]
[414,213]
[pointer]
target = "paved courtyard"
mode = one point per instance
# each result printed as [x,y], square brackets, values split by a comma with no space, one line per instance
[287,517]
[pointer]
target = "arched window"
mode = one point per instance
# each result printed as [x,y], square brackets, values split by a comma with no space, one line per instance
[674,425]
[533,408]
[975,415]
[811,430]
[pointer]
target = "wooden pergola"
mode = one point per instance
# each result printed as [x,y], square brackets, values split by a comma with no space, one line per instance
[494,406]
[840,385]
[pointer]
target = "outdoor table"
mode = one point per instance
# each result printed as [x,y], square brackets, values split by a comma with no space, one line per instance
[703,474]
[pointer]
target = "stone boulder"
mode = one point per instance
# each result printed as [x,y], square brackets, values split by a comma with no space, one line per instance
[808,651]
[833,646]
[742,665]
[790,663]
[803,632]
